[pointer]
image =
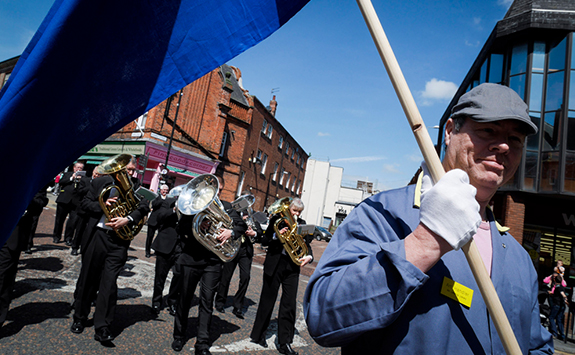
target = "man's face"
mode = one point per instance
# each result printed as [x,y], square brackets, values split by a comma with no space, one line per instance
[164,191]
[131,168]
[295,211]
[488,152]
[78,167]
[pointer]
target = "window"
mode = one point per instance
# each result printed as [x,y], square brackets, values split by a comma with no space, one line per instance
[264,163]
[276,167]
[241,184]
[5,80]
[293,185]
[281,143]
[223,146]
[298,187]
[270,130]
[292,153]
[287,181]
[298,159]
[287,148]
[282,175]
[264,126]
[259,156]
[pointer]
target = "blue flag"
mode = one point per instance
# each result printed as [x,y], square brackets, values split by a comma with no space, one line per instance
[95,65]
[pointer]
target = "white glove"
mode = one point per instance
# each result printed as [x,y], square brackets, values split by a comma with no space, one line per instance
[449,208]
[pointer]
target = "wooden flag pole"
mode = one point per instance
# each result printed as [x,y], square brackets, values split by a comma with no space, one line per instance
[436,170]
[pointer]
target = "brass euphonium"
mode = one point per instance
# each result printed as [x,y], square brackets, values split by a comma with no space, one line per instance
[127,201]
[292,242]
[200,198]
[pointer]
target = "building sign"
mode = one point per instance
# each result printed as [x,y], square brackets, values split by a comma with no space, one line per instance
[180,161]
[118,148]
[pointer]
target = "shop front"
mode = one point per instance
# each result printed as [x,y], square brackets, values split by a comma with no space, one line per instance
[182,165]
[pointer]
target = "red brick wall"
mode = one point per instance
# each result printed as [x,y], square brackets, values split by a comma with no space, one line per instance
[513,214]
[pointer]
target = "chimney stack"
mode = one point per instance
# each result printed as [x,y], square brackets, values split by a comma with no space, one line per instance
[273,106]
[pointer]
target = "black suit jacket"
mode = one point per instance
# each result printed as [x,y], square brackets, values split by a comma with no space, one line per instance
[167,219]
[275,247]
[195,253]
[68,189]
[91,205]
[18,240]
[157,205]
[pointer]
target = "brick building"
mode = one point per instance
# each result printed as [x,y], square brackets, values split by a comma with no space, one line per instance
[532,50]
[213,126]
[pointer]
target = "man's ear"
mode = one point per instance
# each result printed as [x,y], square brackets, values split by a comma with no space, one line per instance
[449,130]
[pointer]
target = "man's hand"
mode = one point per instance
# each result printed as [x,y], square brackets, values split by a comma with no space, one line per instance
[449,209]
[225,234]
[305,260]
[250,232]
[111,201]
[118,222]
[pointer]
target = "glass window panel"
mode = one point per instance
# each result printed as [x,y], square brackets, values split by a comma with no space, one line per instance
[538,64]
[554,98]
[496,68]
[519,59]
[513,182]
[571,131]
[572,90]
[517,83]
[557,57]
[552,131]
[533,140]
[573,53]
[549,172]
[536,93]
[569,172]
[483,72]
[530,171]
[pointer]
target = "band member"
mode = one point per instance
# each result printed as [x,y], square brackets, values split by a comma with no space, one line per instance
[82,216]
[66,204]
[34,210]
[196,265]
[168,248]
[244,260]
[10,252]
[279,269]
[157,204]
[105,255]
[385,283]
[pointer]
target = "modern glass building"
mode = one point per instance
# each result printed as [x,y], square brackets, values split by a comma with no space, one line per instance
[532,50]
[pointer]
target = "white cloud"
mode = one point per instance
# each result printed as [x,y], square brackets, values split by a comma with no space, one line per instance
[475,44]
[415,157]
[438,90]
[357,159]
[505,3]
[323,134]
[391,168]
[477,21]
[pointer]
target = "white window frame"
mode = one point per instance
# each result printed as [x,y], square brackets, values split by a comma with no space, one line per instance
[288,179]
[264,126]
[270,131]
[281,143]
[276,167]
[264,164]
[282,176]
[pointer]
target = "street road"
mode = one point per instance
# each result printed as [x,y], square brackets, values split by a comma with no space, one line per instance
[40,315]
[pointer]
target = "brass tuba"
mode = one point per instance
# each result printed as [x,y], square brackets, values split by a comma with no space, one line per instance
[243,204]
[293,243]
[127,201]
[200,198]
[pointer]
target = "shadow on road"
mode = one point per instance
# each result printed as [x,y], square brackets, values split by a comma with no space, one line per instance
[33,313]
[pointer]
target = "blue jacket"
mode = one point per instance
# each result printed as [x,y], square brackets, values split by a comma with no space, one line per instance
[367,298]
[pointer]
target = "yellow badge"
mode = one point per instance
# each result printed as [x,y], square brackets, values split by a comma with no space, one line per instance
[457,292]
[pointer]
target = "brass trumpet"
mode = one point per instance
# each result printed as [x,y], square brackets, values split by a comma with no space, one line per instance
[292,242]
[127,201]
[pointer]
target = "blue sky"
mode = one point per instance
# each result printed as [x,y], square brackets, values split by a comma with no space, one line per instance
[334,95]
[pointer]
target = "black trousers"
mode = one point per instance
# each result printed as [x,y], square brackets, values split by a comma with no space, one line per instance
[33,227]
[79,231]
[208,278]
[244,260]
[62,211]
[150,238]
[165,262]
[102,262]
[8,268]
[285,276]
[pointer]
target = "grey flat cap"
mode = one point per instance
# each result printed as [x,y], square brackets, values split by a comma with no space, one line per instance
[493,102]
